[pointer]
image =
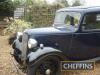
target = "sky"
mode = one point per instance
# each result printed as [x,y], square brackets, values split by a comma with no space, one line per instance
[87,2]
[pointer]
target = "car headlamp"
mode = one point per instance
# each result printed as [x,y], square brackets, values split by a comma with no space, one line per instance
[32,43]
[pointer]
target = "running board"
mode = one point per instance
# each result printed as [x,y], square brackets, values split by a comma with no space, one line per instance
[94,59]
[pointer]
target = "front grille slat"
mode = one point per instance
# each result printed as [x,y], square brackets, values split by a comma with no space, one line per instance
[24,46]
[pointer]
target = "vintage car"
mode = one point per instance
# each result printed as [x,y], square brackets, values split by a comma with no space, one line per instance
[74,36]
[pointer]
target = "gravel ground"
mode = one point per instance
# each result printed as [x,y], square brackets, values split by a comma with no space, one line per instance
[5,58]
[7,67]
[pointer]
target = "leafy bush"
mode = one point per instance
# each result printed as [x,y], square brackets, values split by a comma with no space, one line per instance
[17,25]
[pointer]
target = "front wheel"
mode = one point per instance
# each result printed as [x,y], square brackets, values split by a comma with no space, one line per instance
[49,65]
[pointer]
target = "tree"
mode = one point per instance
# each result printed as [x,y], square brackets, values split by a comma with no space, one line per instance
[2,0]
[76,3]
[41,13]
[63,3]
[6,8]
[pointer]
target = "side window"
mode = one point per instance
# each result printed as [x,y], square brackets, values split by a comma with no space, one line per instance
[72,19]
[91,21]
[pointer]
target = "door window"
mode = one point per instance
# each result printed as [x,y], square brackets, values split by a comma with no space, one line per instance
[92,21]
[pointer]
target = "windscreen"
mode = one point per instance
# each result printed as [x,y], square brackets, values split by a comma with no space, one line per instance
[67,18]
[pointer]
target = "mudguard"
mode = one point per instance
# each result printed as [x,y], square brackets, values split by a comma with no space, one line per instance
[42,53]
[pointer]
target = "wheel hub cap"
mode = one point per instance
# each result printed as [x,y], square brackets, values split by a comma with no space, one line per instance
[48,72]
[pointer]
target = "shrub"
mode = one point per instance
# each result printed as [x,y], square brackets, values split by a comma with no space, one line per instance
[17,26]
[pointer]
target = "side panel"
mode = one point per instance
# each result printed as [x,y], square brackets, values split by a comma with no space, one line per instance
[57,41]
[85,45]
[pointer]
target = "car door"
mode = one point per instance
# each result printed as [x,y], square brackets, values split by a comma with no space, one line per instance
[86,43]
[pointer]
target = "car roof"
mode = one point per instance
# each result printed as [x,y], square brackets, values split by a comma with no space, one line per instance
[83,9]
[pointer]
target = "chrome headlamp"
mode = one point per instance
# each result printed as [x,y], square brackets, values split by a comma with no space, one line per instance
[32,43]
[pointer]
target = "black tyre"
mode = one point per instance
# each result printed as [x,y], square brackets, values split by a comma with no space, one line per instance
[49,65]
[16,56]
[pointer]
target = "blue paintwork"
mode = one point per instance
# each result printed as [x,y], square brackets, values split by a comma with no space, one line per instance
[48,30]
[81,9]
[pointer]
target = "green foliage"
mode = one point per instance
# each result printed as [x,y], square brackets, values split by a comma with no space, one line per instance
[76,3]
[17,3]
[63,3]
[40,13]
[2,0]
[6,8]
[17,25]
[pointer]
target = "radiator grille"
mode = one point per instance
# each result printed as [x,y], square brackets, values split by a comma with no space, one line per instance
[24,46]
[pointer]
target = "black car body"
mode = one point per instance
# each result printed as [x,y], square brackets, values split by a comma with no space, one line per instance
[75,34]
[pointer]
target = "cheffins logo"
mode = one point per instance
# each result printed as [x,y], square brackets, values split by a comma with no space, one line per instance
[77,65]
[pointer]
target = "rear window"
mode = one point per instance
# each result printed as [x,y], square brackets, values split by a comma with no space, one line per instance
[92,21]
